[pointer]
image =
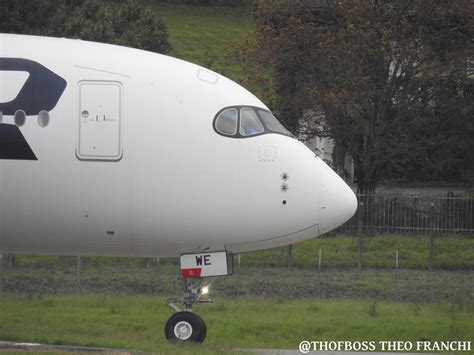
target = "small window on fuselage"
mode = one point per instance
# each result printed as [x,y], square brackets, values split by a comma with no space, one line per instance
[226,122]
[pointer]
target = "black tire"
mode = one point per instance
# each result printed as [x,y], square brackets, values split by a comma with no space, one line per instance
[185,327]
[204,328]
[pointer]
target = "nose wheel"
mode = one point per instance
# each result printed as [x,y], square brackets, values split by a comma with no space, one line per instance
[185,325]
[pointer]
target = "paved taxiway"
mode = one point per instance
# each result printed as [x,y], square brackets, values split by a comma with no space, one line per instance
[6,346]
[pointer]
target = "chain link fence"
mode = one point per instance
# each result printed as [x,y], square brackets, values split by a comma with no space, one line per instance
[388,214]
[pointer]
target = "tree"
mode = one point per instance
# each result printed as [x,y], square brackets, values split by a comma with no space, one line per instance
[372,75]
[127,23]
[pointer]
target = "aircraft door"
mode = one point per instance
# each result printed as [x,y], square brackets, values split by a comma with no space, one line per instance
[100,111]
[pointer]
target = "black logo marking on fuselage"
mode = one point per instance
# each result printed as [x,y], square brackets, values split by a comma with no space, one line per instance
[13,145]
[41,91]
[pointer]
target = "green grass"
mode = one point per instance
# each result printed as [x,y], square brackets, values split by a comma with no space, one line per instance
[265,273]
[248,281]
[135,322]
[378,252]
[338,252]
[203,34]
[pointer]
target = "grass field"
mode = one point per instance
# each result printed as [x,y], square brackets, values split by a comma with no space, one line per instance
[450,253]
[248,281]
[265,273]
[136,322]
[203,34]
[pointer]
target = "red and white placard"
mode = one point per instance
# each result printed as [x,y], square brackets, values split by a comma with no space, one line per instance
[203,265]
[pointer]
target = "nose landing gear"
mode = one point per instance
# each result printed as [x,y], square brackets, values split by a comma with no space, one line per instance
[185,325]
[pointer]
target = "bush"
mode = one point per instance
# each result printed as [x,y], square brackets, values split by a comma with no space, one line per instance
[126,23]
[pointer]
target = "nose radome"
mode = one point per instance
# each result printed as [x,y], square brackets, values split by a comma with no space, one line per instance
[338,202]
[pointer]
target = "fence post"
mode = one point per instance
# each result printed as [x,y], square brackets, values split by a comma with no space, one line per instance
[396,275]
[431,238]
[320,275]
[238,275]
[158,271]
[78,273]
[360,240]
[1,272]
[290,256]
[11,261]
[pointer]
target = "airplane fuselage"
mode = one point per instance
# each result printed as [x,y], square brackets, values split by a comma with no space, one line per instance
[127,160]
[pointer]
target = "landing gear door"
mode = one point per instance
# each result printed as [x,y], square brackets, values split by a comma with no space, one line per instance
[206,264]
[100,116]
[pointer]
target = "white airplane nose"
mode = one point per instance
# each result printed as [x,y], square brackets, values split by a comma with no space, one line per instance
[338,202]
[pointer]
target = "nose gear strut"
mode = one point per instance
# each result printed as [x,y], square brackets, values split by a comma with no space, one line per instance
[185,325]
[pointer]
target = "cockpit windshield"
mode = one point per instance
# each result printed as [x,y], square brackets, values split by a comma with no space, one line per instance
[251,121]
[226,123]
[272,123]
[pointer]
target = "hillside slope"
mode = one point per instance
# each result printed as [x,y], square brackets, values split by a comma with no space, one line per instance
[203,34]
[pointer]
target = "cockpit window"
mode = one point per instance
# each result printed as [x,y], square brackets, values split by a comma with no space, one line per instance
[249,122]
[226,122]
[272,123]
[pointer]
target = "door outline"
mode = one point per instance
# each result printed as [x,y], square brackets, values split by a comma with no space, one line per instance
[78,117]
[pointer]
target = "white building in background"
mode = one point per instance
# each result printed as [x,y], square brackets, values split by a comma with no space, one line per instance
[323,147]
